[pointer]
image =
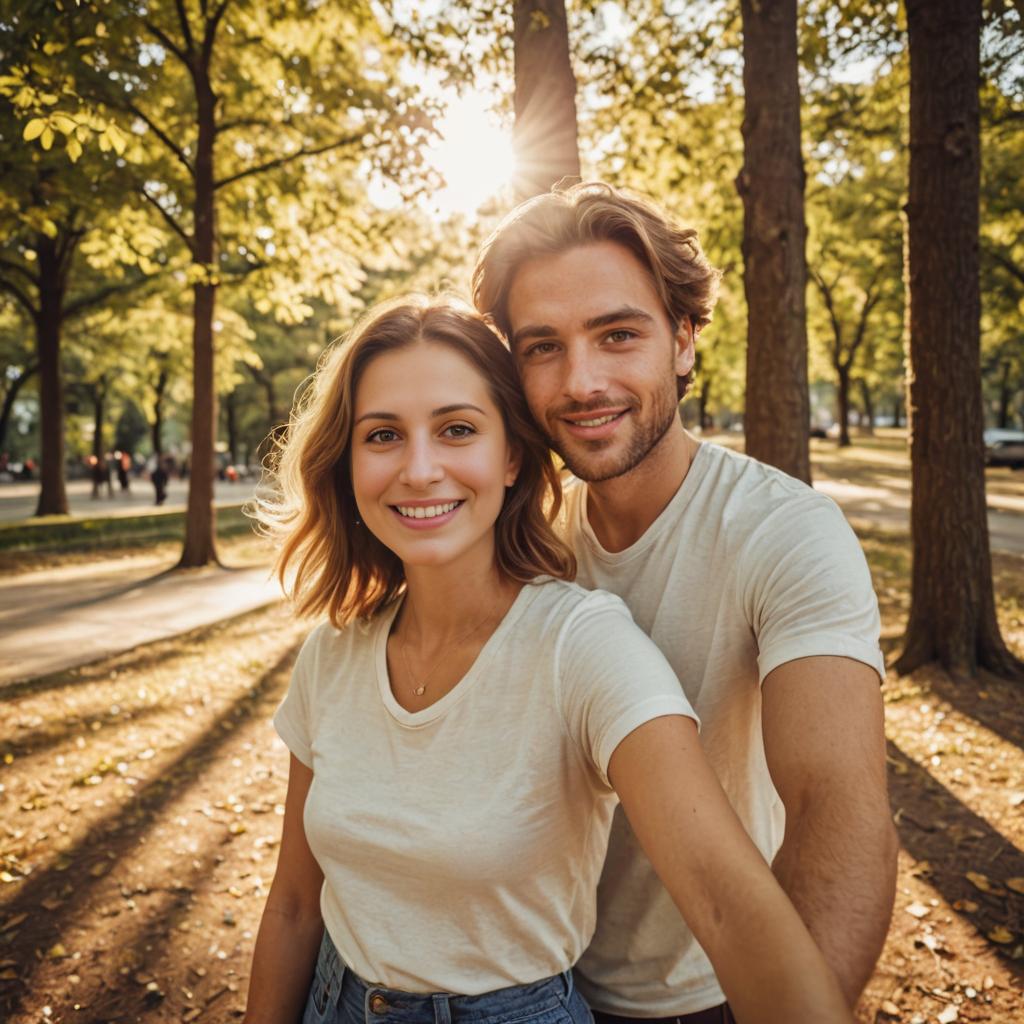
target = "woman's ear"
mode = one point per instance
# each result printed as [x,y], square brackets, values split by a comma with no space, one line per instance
[513,465]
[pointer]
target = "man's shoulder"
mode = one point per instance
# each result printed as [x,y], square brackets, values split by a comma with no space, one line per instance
[745,492]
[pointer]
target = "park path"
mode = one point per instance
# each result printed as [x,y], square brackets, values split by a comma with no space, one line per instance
[60,618]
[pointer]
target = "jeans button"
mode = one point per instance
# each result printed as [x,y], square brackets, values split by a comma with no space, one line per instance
[378,1004]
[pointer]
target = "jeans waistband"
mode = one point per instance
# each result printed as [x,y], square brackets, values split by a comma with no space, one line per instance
[380,1004]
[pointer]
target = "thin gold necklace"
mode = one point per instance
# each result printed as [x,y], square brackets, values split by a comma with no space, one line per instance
[420,687]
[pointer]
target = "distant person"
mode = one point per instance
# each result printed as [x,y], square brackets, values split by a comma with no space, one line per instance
[159,480]
[100,472]
[752,584]
[124,465]
[464,723]
[28,469]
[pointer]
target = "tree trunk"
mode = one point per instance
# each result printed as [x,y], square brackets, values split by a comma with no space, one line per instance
[952,612]
[53,499]
[158,415]
[771,183]
[200,517]
[10,398]
[545,97]
[843,404]
[231,420]
[1004,396]
[897,412]
[869,406]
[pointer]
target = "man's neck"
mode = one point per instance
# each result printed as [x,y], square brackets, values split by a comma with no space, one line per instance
[621,510]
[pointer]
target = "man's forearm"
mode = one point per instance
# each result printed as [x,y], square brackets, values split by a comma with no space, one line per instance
[842,882]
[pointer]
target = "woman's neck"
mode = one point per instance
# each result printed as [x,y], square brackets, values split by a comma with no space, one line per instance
[442,602]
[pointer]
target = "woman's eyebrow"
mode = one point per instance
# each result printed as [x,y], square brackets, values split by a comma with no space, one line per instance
[444,410]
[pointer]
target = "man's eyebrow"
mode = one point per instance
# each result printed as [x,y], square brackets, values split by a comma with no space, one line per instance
[622,313]
[444,410]
[604,320]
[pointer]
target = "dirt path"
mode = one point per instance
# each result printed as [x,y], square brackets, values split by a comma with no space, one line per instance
[141,798]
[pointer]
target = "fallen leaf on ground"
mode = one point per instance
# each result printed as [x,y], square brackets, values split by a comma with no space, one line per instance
[948,1015]
[965,906]
[918,910]
[979,881]
[1016,884]
[1000,934]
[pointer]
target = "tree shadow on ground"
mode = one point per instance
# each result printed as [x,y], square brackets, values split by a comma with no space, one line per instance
[935,826]
[992,702]
[116,836]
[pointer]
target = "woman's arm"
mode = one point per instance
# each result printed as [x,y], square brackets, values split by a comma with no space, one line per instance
[764,957]
[291,928]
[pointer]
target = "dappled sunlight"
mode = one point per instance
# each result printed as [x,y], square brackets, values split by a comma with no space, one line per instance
[121,789]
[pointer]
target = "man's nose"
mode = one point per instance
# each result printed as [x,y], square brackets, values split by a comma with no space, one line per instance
[584,376]
[421,466]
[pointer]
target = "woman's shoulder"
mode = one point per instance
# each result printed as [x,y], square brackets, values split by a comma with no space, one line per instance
[561,601]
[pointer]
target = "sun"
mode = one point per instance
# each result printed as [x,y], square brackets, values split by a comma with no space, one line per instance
[474,155]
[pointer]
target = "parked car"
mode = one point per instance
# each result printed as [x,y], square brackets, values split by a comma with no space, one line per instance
[1004,448]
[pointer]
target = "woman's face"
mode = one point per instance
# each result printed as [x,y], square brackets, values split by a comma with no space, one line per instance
[430,457]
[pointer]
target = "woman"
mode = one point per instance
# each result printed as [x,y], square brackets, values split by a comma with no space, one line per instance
[461,726]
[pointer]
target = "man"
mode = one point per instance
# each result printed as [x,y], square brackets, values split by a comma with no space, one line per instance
[751,583]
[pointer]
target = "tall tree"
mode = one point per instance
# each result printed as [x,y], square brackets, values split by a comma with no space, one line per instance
[952,613]
[545,97]
[256,125]
[777,419]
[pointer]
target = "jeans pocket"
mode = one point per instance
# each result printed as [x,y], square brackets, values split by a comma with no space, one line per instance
[318,1002]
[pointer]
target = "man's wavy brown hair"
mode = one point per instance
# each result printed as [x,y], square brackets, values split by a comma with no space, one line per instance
[592,211]
[337,566]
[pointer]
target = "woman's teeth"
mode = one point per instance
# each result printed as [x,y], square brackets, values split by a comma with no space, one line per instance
[599,422]
[426,511]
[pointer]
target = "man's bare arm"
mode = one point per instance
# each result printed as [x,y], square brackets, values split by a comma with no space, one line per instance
[825,744]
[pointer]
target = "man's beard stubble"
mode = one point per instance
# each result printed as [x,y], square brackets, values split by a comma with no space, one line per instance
[646,438]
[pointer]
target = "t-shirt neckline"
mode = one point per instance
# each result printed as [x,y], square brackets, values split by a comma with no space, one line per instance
[417,719]
[666,519]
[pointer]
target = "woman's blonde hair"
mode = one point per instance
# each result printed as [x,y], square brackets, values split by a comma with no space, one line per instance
[339,566]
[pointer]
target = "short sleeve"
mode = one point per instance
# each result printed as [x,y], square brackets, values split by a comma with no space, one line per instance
[612,679]
[807,589]
[292,719]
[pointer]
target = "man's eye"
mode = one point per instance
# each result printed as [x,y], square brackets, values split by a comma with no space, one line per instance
[383,435]
[541,348]
[459,430]
[621,335]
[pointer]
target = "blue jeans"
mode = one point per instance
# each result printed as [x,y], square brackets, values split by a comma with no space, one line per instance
[339,996]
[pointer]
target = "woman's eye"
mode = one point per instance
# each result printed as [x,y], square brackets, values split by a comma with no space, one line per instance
[459,430]
[383,435]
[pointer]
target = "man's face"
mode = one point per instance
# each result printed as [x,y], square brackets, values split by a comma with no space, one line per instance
[597,356]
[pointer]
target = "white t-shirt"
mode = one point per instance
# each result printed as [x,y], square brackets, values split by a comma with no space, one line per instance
[461,845]
[744,570]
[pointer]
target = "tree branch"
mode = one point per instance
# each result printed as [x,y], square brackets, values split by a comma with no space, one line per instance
[281,161]
[837,327]
[16,268]
[171,222]
[186,29]
[168,43]
[211,31]
[101,295]
[163,136]
[1005,262]
[22,298]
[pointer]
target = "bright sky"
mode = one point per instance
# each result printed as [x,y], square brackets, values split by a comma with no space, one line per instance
[473,155]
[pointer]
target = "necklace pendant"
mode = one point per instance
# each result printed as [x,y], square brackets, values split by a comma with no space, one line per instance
[419,691]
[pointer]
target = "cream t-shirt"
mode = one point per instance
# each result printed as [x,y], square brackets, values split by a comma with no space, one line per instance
[461,845]
[744,570]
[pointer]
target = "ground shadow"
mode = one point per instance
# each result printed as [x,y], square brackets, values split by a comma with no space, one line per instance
[113,837]
[935,826]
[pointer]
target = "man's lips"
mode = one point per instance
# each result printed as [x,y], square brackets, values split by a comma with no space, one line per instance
[594,425]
